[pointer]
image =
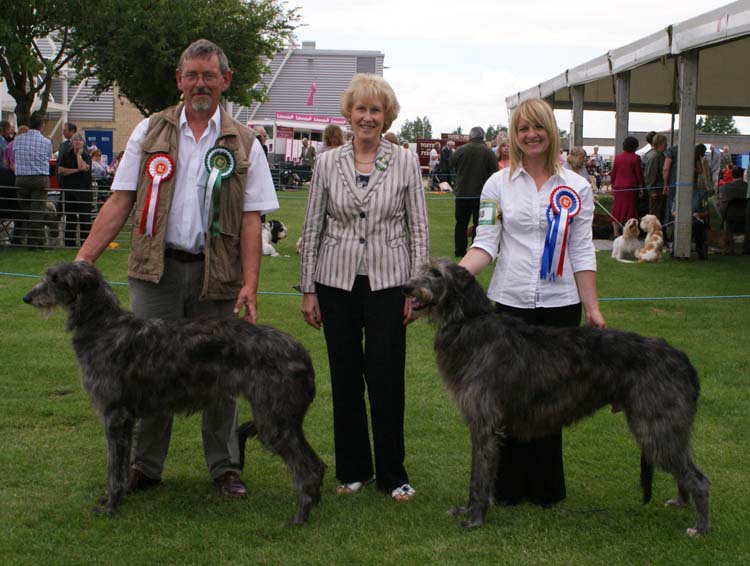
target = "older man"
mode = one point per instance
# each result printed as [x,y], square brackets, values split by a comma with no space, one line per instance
[194,254]
[444,166]
[31,154]
[473,162]
[262,137]
[69,129]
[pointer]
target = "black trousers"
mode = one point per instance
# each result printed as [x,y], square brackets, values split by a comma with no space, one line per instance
[534,470]
[376,365]
[699,235]
[78,214]
[466,209]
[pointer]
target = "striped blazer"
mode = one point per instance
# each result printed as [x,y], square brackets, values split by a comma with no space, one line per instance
[391,219]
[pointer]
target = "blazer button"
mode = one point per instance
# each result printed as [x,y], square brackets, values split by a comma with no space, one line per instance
[362,215]
[362,240]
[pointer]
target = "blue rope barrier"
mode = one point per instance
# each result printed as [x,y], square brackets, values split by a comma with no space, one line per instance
[601,299]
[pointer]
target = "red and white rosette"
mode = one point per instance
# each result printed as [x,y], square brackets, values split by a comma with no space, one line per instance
[564,205]
[160,167]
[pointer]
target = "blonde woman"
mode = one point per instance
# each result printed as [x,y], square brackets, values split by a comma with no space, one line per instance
[365,233]
[513,228]
[503,152]
[333,136]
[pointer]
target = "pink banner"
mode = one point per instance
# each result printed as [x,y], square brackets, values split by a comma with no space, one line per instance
[311,96]
[294,117]
[285,133]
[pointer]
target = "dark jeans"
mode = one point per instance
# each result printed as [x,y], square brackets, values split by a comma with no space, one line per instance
[466,209]
[78,214]
[533,470]
[378,365]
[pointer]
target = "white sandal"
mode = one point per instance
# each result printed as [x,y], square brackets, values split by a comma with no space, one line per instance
[353,487]
[403,493]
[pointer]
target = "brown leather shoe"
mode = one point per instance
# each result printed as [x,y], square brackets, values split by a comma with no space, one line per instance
[138,481]
[230,485]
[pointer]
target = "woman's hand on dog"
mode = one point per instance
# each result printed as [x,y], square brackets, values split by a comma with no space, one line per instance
[311,310]
[594,318]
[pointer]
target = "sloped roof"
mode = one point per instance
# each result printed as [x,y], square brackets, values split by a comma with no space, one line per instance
[723,38]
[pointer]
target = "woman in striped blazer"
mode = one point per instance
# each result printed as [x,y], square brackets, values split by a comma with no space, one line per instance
[365,233]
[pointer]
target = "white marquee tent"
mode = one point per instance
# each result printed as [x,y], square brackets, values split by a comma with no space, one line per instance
[698,66]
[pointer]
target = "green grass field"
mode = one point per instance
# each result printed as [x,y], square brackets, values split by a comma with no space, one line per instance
[52,462]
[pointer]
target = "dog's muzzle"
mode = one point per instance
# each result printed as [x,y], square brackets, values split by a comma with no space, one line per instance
[418,300]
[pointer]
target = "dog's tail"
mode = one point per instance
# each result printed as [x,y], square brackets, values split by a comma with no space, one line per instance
[246,430]
[647,478]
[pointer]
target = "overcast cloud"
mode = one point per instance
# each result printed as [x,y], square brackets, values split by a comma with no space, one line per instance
[456,61]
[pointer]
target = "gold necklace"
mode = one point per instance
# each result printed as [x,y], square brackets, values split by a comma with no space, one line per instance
[354,151]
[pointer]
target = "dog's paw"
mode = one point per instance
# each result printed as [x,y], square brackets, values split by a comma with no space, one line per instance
[471,523]
[692,532]
[104,509]
[458,511]
[297,521]
[675,503]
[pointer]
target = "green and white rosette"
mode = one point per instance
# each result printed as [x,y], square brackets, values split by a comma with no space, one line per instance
[220,165]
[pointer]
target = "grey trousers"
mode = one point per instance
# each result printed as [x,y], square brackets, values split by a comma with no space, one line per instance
[176,297]
[32,200]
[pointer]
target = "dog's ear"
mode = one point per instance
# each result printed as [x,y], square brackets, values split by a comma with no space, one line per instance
[78,277]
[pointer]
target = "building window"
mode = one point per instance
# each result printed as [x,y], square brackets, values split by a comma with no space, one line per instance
[366,65]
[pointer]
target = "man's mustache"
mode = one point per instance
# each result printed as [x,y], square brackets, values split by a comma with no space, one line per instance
[200,90]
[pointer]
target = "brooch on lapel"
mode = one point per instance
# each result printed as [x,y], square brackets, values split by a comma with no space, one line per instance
[381,163]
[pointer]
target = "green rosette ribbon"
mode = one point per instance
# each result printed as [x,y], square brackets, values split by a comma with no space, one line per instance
[220,165]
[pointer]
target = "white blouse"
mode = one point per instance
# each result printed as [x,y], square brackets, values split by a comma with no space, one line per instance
[185,224]
[517,237]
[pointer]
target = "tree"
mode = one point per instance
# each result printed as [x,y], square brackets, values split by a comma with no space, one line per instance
[412,130]
[715,124]
[135,44]
[26,71]
[142,56]
[492,132]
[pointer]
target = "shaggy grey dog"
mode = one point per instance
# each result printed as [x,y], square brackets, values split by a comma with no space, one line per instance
[132,368]
[510,377]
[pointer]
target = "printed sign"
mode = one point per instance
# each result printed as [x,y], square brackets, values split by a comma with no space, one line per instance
[294,117]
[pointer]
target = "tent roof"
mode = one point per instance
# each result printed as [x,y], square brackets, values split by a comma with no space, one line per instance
[723,38]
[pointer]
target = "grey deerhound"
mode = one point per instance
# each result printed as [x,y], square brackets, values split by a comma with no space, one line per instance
[133,368]
[510,377]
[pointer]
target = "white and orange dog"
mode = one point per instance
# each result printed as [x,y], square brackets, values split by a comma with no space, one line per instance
[626,247]
[652,248]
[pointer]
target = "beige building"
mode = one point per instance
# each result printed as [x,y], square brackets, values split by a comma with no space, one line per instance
[304,87]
